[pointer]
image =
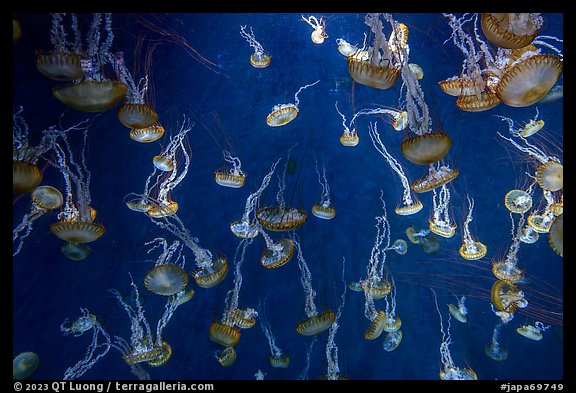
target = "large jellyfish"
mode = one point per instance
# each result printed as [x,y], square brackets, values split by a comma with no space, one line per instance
[167,277]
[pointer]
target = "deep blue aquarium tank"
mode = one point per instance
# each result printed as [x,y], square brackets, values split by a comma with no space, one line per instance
[283,196]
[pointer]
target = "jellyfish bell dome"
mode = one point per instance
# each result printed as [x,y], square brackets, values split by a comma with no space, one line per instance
[164,356]
[497,353]
[457,313]
[325,213]
[529,332]
[77,231]
[392,324]
[228,179]
[260,59]
[223,334]
[276,219]
[473,103]
[208,278]
[91,96]
[25,176]
[436,179]
[318,36]
[273,260]
[162,210]
[518,201]
[166,279]
[503,30]
[556,235]
[244,230]
[349,140]
[226,357]
[137,116]
[142,205]
[400,246]
[392,340]
[24,365]
[529,235]
[550,176]
[60,66]
[47,197]
[474,251]
[76,251]
[367,73]
[376,327]
[407,210]
[427,148]
[183,296]
[316,324]
[163,163]
[147,134]
[504,270]
[279,362]
[282,115]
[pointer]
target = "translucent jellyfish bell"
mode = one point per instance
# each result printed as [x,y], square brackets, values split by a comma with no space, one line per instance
[376,327]
[400,246]
[147,134]
[24,365]
[76,251]
[518,201]
[163,163]
[137,116]
[502,29]
[272,259]
[226,357]
[426,148]
[550,176]
[47,197]
[25,176]
[90,95]
[212,276]
[392,340]
[163,357]
[166,279]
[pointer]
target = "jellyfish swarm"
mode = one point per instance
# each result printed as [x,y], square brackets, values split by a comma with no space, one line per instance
[94,93]
[258,59]
[283,114]
[378,66]
[63,62]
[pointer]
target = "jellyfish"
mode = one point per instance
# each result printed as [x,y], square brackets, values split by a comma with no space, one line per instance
[167,278]
[234,316]
[281,217]
[440,222]
[400,246]
[533,332]
[76,251]
[283,114]
[93,91]
[166,161]
[24,365]
[226,357]
[416,70]
[460,311]
[427,240]
[277,358]
[556,235]
[511,30]
[247,227]
[258,59]
[345,48]
[494,350]
[392,340]
[507,298]
[63,62]
[507,269]
[471,249]
[233,177]
[304,374]
[44,199]
[96,350]
[147,134]
[377,66]
[323,210]
[224,334]
[529,235]
[518,201]
[136,111]
[276,253]
[315,322]
[437,176]
[319,34]
[349,137]
[410,204]
[540,220]
[333,372]
[76,222]
[450,371]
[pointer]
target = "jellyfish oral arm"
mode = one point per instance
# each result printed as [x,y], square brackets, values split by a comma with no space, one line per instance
[296,100]
[251,39]
[305,279]
[235,162]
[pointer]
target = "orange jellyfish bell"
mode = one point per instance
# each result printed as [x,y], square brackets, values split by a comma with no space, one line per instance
[47,197]
[241,319]
[349,139]
[518,201]
[318,36]
[473,252]
[460,86]
[164,356]
[60,66]
[137,115]
[282,115]
[163,163]
[427,148]
[148,134]
[271,260]
[227,179]
[325,213]
[162,210]
[275,219]
[504,270]
[209,278]
[142,205]
[223,334]
[166,279]
[226,357]
[76,251]
[244,230]
[550,176]
[474,103]
[408,210]
[379,289]
[365,72]
[316,324]
[376,327]
[281,362]
[436,179]
[24,365]
[25,176]
[392,324]
[183,298]
[540,223]
[506,296]
[77,231]
[556,235]
[529,80]
[91,96]
[499,30]
[446,231]
[260,59]
[150,354]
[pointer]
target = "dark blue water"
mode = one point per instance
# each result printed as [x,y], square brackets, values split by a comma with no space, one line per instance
[48,288]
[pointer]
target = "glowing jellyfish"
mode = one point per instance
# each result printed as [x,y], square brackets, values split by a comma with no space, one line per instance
[163,163]
[400,246]
[440,223]
[511,30]
[377,66]
[414,235]
[94,93]
[507,297]
[247,227]
[323,210]
[459,312]
[44,199]
[277,358]
[438,176]
[349,137]
[258,59]
[550,176]
[449,370]
[459,86]
[471,249]
[518,201]
[226,357]
[223,334]
[148,134]
[76,251]
[166,278]
[392,340]
[427,148]
[410,205]
[529,235]
[427,240]
[507,269]
[233,177]
[277,253]
[182,296]
[135,112]
[211,274]
[24,365]
[556,235]
[62,63]
[316,324]
[283,114]
[319,34]
[392,323]
[345,48]
[416,70]
[533,332]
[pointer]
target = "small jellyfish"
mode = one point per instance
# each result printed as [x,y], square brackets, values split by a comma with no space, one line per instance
[529,235]
[459,312]
[345,48]
[76,251]
[533,332]
[550,176]
[518,201]
[226,357]
[316,324]
[400,246]
[212,273]
[427,148]
[166,279]
[392,340]
[147,134]
[24,365]
[258,59]
[232,177]
[416,70]
[376,326]
[319,34]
